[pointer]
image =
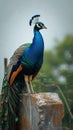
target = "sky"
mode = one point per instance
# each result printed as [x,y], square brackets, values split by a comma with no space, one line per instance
[57,15]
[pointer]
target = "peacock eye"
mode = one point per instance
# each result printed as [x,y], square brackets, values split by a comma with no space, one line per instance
[38,26]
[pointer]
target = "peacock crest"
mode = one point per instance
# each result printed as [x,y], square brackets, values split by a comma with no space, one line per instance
[34,19]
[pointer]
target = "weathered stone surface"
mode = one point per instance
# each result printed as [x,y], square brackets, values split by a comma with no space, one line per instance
[41,111]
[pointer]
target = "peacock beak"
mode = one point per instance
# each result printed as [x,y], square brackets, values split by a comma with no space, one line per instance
[44,27]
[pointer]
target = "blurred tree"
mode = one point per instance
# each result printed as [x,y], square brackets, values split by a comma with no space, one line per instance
[58,69]
[64,51]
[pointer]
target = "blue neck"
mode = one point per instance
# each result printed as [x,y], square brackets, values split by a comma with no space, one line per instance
[36,49]
[37,46]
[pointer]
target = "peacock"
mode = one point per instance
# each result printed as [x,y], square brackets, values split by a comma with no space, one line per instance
[23,67]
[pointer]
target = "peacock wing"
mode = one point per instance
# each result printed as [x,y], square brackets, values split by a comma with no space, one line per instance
[15,57]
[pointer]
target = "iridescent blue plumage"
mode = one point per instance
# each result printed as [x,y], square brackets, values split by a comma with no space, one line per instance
[33,56]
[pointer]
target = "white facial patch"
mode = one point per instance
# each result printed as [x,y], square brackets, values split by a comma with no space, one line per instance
[38,26]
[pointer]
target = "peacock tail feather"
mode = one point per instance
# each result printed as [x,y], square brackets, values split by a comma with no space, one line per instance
[11,100]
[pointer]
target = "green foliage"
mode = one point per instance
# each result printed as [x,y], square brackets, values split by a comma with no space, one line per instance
[65,50]
[58,69]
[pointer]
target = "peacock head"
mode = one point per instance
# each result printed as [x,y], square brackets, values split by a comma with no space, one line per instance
[37,25]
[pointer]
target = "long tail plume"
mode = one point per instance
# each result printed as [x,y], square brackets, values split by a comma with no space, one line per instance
[10,104]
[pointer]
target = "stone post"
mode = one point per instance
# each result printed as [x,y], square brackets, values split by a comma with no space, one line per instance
[41,111]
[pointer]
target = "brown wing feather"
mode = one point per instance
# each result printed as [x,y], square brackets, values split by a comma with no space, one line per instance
[15,57]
